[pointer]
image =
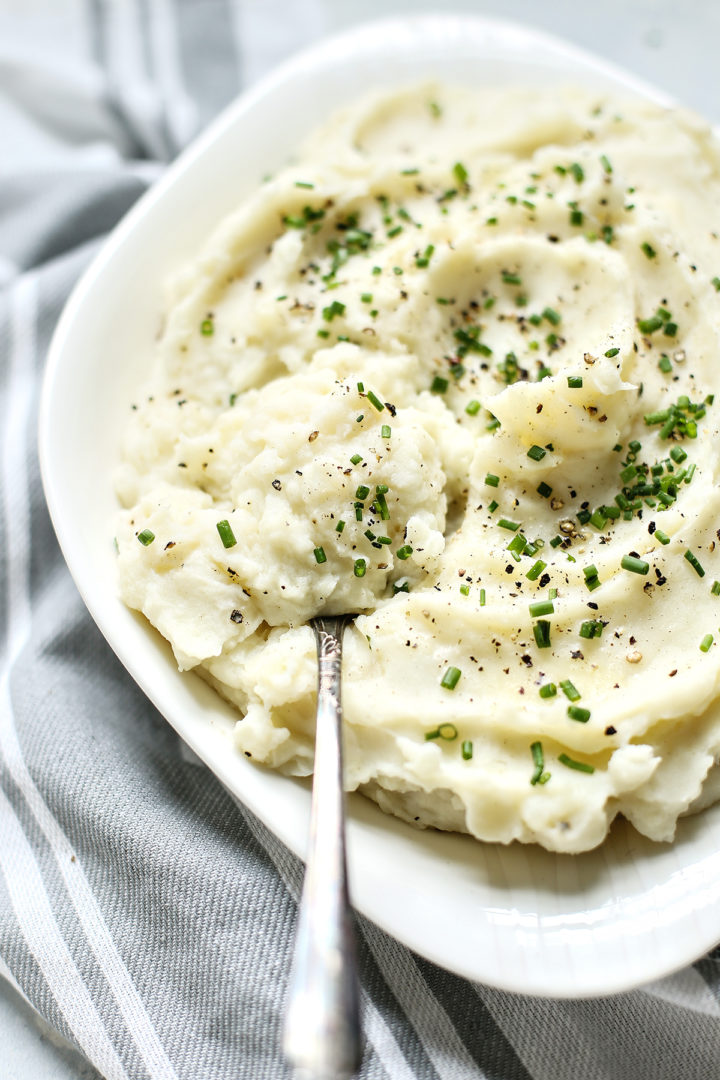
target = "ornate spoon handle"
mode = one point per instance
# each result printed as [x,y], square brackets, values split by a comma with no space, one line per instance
[322,1038]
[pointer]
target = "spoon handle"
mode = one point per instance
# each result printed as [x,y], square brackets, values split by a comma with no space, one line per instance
[322,1037]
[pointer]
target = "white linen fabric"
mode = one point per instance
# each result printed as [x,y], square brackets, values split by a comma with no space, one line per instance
[143,914]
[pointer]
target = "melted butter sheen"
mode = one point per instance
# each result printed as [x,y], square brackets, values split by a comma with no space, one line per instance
[480,331]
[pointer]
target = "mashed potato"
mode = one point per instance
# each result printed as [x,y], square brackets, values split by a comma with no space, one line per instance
[453,370]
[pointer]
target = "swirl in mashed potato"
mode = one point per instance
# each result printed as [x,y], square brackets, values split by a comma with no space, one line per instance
[453,369]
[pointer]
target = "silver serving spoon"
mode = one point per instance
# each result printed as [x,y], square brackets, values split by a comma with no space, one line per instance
[322,1038]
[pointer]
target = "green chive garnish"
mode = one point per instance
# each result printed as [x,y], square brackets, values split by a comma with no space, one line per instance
[356,459]
[473,408]
[576,712]
[706,643]
[548,690]
[207,327]
[385,431]
[635,565]
[544,490]
[536,570]
[492,480]
[715,588]
[694,563]
[443,731]
[359,568]
[375,401]
[320,556]
[451,678]
[580,766]
[439,385]
[570,692]
[329,312]
[466,750]
[541,633]
[612,352]
[574,382]
[539,776]
[648,250]
[536,453]
[541,607]
[340,526]
[552,316]
[226,534]
[661,537]
[404,552]
[362,492]
[511,525]
[146,537]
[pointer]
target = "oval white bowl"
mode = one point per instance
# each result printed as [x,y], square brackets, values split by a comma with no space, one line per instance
[518,918]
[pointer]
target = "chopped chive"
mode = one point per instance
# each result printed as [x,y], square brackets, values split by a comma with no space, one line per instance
[574,382]
[323,333]
[706,643]
[356,459]
[472,408]
[607,167]
[536,453]
[303,184]
[635,565]
[648,250]
[146,537]
[541,607]
[577,171]
[649,326]
[375,401]
[552,316]
[385,431]
[329,312]
[694,563]
[366,297]
[482,598]
[665,364]
[662,537]
[362,492]
[541,633]
[340,526]
[493,506]
[451,678]
[580,766]
[612,352]
[404,552]
[548,690]
[511,279]
[539,776]
[511,525]
[576,712]
[716,282]
[492,480]
[226,534]
[359,568]
[544,489]
[207,327]
[320,556]
[591,628]
[397,269]
[439,385]
[715,588]
[465,590]
[466,750]
[536,570]
[460,173]
[570,691]
[443,731]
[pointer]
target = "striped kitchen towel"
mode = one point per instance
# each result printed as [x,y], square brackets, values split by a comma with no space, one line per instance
[143,914]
